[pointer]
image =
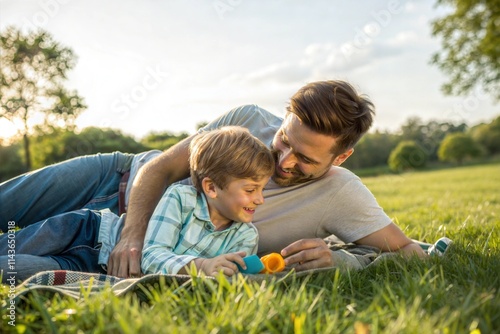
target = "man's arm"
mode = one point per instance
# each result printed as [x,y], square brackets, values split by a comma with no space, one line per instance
[314,253]
[151,181]
[392,239]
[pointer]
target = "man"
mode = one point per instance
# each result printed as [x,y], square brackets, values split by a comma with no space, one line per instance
[308,198]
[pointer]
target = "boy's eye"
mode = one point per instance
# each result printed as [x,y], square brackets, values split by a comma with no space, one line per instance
[250,191]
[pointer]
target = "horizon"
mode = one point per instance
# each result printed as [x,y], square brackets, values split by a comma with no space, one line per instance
[18,137]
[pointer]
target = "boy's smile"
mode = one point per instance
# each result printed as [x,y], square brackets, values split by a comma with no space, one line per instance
[236,202]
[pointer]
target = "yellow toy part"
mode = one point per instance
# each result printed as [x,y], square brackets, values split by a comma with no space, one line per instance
[273,263]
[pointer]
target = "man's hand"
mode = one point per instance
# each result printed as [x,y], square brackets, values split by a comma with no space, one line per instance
[125,259]
[308,254]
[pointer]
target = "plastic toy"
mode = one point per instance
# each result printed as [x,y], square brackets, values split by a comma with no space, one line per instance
[268,264]
[273,263]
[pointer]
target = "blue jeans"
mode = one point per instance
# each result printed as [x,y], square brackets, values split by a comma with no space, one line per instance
[90,181]
[67,241]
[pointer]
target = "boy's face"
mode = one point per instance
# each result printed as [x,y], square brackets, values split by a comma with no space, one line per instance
[302,154]
[238,201]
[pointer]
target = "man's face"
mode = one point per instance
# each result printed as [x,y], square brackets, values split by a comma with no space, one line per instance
[302,154]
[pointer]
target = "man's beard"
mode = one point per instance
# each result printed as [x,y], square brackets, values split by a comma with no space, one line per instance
[297,176]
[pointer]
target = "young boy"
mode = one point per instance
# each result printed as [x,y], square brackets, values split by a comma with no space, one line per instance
[206,224]
[198,225]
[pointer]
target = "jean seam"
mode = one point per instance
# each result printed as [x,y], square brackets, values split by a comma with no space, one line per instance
[102,199]
[80,247]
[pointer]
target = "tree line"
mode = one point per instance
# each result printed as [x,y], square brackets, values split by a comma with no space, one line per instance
[59,144]
[415,145]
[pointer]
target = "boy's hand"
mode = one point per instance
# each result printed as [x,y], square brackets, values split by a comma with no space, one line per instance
[225,263]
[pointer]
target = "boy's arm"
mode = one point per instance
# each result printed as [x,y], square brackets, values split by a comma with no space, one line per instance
[151,181]
[242,243]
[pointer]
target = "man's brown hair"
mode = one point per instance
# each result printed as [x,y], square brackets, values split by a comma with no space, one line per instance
[227,152]
[334,108]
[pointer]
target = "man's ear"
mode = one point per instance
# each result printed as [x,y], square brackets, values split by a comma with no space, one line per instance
[209,187]
[339,160]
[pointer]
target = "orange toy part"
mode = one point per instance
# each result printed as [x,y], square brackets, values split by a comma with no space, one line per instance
[273,263]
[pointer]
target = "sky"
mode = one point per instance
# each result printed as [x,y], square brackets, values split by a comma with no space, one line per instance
[165,65]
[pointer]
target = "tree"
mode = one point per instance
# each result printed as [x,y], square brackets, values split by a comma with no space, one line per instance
[10,158]
[372,150]
[162,140]
[406,156]
[33,70]
[62,144]
[428,135]
[458,146]
[488,135]
[199,125]
[470,42]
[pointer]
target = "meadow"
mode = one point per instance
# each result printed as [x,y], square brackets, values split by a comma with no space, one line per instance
[457,293]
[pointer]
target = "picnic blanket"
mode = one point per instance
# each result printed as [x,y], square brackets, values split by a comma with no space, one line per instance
[77,285]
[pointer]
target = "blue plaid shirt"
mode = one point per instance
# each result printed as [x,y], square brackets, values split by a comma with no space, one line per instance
[180,230]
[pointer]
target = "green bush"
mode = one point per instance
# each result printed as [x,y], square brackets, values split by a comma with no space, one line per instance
[456,147]
[407,155]
[488,135]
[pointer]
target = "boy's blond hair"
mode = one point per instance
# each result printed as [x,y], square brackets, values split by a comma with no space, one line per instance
[228,152]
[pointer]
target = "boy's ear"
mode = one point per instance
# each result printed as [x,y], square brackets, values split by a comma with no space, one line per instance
[209,187]
[339,160]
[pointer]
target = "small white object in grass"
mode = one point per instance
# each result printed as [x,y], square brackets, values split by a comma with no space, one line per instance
[439,247]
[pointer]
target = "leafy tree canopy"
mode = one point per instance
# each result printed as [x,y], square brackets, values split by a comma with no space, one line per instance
[34,67]
[162,140]
[11,163]
[372,150]
[488,135]
[470,41]
[406,156]
[429,135]
[458,146]
[61,144]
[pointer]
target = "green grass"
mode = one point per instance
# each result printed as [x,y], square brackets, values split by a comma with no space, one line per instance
[455,294]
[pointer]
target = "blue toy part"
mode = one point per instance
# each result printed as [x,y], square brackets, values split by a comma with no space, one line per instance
[254,265]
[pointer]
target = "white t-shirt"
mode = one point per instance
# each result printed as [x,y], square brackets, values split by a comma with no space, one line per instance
[336,204]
